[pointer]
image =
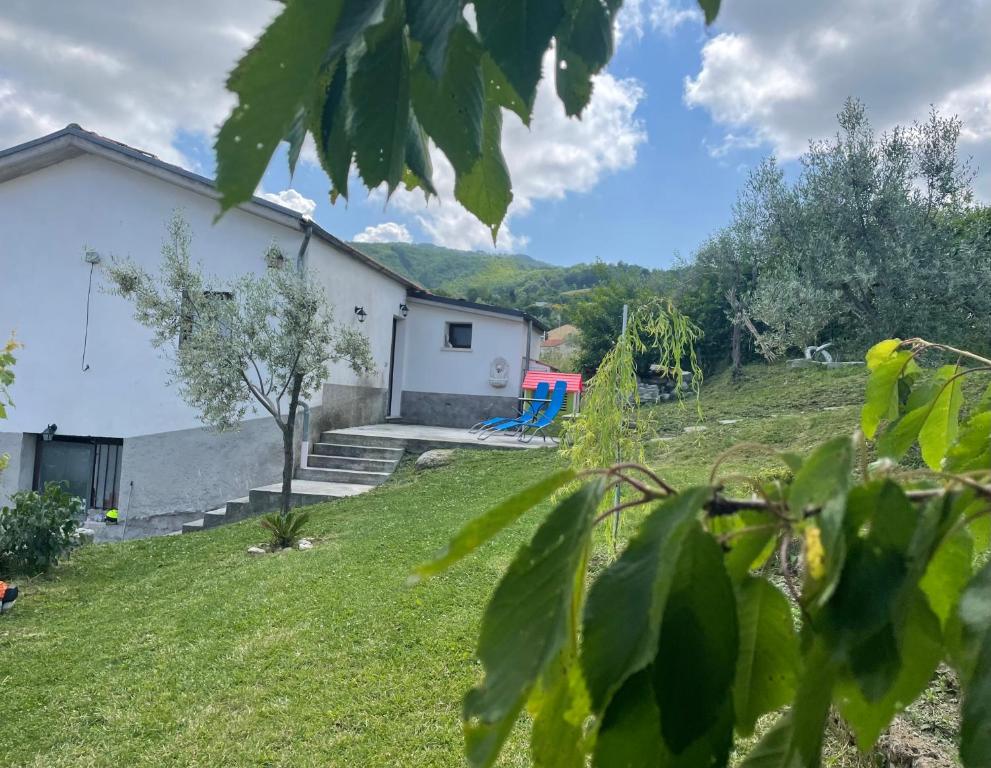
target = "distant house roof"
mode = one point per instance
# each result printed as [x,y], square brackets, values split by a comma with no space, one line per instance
[533,378]
[562,332]
[73,141]
[551,343]
[526,316]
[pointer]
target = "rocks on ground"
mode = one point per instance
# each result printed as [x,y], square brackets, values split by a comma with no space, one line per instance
[434,459]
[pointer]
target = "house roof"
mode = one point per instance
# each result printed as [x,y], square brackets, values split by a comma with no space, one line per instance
[73,141]
[562,332]
[464,303]
[533,378]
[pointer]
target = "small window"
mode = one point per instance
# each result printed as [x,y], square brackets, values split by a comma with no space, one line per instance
[458,336]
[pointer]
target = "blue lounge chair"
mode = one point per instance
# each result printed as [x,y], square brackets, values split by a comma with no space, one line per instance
[544,420]
[544,417]
[529,413]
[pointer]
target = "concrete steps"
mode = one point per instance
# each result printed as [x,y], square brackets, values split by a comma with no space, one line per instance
[362,441]
[340,465]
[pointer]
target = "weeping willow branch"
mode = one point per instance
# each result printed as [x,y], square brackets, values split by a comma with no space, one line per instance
[612,423]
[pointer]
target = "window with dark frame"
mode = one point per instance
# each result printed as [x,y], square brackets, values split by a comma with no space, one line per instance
[458,336]
[88,467]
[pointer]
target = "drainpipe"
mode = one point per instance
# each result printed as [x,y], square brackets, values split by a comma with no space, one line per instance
[528,330]
[307,226]
[304,444]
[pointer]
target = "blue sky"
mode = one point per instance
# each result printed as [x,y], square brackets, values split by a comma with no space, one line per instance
[674,125]
[665,203]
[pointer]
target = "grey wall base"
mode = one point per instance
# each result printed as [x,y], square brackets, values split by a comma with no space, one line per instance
[177,476]
[345,406]
[19,474]
[444,410]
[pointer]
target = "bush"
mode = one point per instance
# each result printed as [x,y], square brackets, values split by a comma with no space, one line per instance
[285,528]
[37,531]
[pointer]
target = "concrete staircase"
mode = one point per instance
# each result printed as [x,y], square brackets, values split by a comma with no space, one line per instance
[338,466]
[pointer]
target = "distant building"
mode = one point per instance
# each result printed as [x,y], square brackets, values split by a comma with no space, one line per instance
[560,343]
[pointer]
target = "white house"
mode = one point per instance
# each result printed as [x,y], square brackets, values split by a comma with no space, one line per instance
[123,436]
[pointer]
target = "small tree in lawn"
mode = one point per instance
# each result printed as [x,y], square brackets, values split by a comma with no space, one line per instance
[261,339]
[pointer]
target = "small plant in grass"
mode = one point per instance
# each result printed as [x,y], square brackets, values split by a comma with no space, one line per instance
[670,655]
[285,528]
[38,530]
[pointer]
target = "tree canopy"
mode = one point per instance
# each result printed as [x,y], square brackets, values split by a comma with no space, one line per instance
[877,235]
[375,82]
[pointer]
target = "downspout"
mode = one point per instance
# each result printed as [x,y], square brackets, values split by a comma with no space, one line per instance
[304,444]
[307,226]
[528,330]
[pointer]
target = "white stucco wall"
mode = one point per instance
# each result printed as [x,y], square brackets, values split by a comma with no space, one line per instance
[47,219]
[431,367]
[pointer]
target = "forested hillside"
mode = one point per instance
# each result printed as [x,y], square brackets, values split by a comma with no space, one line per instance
[514,280]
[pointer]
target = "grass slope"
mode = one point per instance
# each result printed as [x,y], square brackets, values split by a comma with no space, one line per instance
[185,651]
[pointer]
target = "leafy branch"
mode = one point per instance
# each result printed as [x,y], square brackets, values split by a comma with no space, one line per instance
[681,644]
[375,81]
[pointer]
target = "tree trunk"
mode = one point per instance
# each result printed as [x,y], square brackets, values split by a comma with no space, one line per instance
[735,350]
[288,440]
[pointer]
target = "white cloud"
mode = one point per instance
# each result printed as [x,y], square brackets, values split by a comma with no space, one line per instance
[555,157]
[387,232]
[290,198]
[665,16]
[779,71]
[136,72]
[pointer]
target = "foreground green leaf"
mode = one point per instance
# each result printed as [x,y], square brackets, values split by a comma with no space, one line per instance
[630,733]
[625,604]
[516,34]
[824,475]
[975,619]
[485,189]
[919,651]
[380,103]
[527,622]
[271,82]
[430,23]
[939,430]
[698,645]
[972,450]
[329,129]
[559,716]
[460,91]
[769,662]
[948,573]
[881,397]
[795,740]
[482,528]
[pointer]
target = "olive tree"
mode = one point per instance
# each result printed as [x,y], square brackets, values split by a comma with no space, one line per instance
[262,340]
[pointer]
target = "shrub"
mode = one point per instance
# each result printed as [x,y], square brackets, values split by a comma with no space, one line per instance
[285,528]
[37,531]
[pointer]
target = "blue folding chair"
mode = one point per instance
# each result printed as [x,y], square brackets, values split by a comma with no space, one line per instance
[545,419]
[558,395]
[529,413]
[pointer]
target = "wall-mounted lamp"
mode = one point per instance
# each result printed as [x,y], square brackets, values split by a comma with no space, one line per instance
[49,432]
[361,313]
[404,309]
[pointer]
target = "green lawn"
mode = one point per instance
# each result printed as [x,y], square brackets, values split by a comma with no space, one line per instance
[185,651]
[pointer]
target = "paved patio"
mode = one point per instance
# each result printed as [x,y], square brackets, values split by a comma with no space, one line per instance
[422,438]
